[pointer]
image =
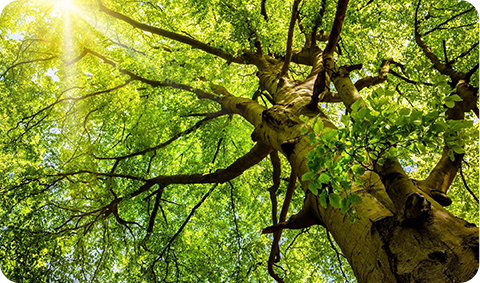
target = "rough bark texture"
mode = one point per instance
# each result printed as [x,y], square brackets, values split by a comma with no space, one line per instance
[403,234]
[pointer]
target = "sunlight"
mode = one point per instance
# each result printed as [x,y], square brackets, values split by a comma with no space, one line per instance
[59,5]
[66,4]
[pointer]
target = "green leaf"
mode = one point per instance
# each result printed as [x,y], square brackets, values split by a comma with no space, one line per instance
[324,178]
[345,205]
[355,199]
[455,97]
[404,112]
[334,200]
[389,92]
[451,155]
[318,127]
[304,130]
[356,105]
[307,176]
[323,198]
[450,104]
[359,170]
[431,116]
[328,135]
[363,114]
[438,127]
[421,148]
[313,188]
[304,118]
[459,150]
[345,120]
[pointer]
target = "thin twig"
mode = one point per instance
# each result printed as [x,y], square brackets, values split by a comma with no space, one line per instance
[466,186]
[338,256]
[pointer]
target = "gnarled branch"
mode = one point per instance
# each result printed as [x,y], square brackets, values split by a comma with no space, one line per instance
[174,36]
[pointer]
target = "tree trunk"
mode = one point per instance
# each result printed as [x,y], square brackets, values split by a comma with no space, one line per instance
[402,234]
[381,247]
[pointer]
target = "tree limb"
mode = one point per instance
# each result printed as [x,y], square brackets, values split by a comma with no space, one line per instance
[263,10]
[255,155]
[288,56]
[442,175]
[336,29]
[151,222]
[463,54]
[277,169]
[184,224]
[442,68]
[26,62]
[448,20]
[173,36]
[163,144]
[370,81]
[275,251]
[466,185]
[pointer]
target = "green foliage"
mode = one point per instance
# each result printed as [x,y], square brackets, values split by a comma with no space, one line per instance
[59,114]
[374,135]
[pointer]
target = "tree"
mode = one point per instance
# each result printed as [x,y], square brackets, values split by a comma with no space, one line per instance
[155,140]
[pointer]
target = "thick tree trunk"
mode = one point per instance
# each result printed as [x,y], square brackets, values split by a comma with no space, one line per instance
[383,247]
[402,234]
[409,239]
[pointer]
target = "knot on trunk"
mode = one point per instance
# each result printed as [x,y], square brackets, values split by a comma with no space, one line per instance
[417,210]
[441,197]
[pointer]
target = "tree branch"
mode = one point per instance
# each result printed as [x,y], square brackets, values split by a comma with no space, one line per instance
[166,83]
[336,29]
[466,185]
[151,222]
[448,20]
[183,225]
[370,81]
[442,68]
[463,54]
[263,10]
[442,175]
[288,56]
[174,36]
[275,251]
[277,169]
[255,155]
[164,144]
[26,62]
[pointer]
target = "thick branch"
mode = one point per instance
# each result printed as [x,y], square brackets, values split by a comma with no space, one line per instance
[330,97]
[346,89]
[336,29]
[370,81]
[442,175]
[288,55]
[288,196]
[263,10]
[255,155]
[151,222]
[174,36]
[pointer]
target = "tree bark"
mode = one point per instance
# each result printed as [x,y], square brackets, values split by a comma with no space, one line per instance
[402,234]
